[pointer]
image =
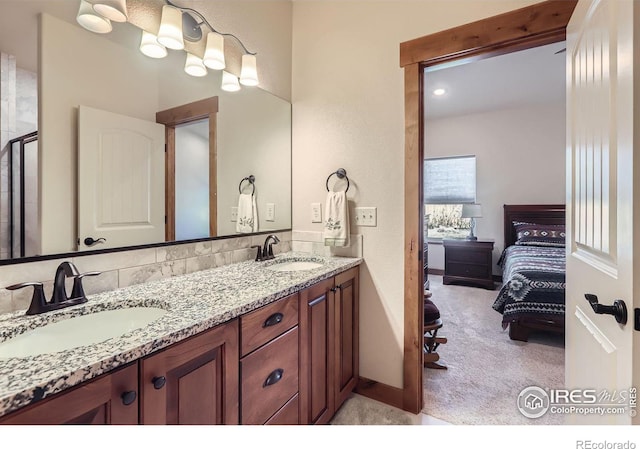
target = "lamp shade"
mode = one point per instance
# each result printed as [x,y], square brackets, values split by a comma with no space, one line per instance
[471,211]
[214,52]
[249,71]
[229,82]
[89,20]
[194,66]
[150,46]
[115,10]
[170,33]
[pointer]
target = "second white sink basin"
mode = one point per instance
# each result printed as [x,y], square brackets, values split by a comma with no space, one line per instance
[296,265]
[79,331]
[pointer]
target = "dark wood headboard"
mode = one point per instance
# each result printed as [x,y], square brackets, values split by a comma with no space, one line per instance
[530,213]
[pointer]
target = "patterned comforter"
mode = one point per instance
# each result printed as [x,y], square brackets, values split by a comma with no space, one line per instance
[533,283]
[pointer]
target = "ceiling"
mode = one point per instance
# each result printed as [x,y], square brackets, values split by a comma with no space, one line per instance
[514,80]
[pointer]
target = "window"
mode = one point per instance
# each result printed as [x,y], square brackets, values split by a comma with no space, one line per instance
[449,183]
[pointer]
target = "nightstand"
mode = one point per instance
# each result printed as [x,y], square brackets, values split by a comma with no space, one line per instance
[468,262]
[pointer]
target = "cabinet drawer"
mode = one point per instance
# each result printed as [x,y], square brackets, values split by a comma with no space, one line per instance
[287,415]
[266,323]
[468,270]
[466,255]
[263,391]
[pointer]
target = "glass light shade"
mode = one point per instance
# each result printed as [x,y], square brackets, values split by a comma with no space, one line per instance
[170,33]
[471,211]
[150,46]
[194,66]
[249,71]
[115,10]
[91,21]
[214,53]
[229,82]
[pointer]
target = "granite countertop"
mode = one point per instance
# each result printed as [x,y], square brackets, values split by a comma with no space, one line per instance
[195,302]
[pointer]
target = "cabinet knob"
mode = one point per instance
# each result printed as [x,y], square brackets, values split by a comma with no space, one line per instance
[273,378]
[158,382]
[274,319]
[128,397]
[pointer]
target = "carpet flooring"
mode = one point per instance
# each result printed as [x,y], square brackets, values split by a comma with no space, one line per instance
[486,370]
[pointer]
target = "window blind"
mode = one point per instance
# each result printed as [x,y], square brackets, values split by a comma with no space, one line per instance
[450,180]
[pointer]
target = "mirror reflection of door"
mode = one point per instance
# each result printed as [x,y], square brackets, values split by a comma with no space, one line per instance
[192,180]
[191,169]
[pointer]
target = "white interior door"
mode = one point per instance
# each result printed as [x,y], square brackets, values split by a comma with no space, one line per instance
[120,180]
[601,230]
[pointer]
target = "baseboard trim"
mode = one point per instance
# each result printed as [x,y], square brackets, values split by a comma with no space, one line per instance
[380,392]
[439,272]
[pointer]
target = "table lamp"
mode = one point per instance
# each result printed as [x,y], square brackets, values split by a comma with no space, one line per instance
[471,211]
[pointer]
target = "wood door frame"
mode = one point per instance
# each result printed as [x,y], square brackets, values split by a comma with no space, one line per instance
[180,115]
[520,29]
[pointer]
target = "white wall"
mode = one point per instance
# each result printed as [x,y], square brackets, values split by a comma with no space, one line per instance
[348,111]
[520,159]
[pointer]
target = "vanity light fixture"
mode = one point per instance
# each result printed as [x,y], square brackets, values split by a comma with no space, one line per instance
[150,46]
[92,21]
[115,10]
[177,24]
[229,82]
[194,66]
[439,92]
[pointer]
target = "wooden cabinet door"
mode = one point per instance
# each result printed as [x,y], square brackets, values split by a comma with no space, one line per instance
[346,356]
[193,382]
[109,399]
[317,402]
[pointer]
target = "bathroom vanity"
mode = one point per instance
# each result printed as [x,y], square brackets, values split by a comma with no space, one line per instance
[247,343]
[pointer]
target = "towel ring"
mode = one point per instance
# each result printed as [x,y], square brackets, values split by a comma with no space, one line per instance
[252,180]
[341,173]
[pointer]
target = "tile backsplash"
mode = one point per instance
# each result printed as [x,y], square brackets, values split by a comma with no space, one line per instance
[125,268]
[121,269]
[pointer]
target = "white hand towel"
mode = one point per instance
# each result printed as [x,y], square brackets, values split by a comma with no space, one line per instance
[247,214]
[336,226]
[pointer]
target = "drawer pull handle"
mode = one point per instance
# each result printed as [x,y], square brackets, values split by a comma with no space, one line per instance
[274,319]
[128,397]
[158,382]
[273,378]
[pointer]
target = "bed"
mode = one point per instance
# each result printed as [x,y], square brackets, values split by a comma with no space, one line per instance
[532,296]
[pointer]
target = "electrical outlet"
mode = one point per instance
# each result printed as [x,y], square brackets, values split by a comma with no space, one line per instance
[316,213]
[271,212]
[366,216]
[234,214]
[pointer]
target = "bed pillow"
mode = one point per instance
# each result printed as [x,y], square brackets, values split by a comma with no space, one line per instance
[533,234]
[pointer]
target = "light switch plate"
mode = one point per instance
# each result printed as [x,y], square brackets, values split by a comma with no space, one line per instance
[234,214]
[271,212]
[366,216]
[316,213]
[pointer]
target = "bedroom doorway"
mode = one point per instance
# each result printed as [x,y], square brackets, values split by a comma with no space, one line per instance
[539,24]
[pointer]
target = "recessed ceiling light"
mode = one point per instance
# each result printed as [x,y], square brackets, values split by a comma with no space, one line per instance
[439,92]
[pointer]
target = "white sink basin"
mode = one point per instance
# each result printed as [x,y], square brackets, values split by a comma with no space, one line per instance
[296,265]
[79,331]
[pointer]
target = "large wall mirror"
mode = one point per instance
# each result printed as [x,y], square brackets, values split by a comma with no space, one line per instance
[61,82]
